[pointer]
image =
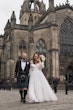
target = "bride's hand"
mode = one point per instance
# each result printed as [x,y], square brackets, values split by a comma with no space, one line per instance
[39,60]
[31,62]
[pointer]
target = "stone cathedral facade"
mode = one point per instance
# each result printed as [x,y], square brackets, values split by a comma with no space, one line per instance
[48,32]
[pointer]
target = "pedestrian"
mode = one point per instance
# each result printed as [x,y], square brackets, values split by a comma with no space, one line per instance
[55,83]
[21,75]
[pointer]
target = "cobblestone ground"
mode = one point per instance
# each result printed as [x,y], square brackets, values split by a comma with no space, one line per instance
[10,100]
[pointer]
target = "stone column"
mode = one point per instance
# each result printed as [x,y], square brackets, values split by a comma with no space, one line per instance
[54,50]
[31,50]
[3,69]
[10,68]
[3,66]
[0,61]
[31,45]
[55,63]
[51,4]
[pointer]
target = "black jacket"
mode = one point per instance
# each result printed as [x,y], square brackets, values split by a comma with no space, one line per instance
[18,69]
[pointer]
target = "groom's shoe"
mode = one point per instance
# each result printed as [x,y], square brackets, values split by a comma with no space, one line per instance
[25,93]
[21,95]
[21,100]
[24,101]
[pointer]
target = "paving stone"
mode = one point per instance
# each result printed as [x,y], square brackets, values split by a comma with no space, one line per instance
[10,100]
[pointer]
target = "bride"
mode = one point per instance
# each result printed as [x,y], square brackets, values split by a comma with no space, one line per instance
[39,89]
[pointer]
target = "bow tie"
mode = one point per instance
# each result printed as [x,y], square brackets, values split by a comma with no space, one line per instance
[23,61]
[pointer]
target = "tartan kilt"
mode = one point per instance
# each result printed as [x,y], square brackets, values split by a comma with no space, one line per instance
[22,83]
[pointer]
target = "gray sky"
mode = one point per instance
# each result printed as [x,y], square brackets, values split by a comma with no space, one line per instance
[7,6]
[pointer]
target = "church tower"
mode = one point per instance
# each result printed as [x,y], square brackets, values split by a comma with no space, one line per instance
[51,4]
[35,7]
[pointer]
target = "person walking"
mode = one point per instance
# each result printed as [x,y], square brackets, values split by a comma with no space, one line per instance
[39,89]
[55,83]
[22,76]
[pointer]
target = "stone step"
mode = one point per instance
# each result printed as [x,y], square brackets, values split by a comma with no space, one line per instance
[61,86]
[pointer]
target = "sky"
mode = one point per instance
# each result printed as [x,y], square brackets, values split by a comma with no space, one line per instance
[7,6]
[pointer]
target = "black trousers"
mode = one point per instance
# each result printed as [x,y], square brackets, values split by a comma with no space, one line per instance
[55,89]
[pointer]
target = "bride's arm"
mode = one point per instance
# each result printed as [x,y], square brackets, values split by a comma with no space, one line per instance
[41,65]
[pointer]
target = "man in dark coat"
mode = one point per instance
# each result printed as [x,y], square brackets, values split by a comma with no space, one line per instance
[22,75]
[55,83]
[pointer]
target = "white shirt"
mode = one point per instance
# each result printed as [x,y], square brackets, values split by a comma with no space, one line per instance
[23,64]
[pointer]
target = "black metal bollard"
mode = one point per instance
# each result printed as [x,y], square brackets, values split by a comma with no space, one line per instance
[66,88]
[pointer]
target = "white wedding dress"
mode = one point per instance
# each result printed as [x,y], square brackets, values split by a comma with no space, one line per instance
[39,89]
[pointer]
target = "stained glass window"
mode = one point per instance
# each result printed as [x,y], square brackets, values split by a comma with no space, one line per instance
[22,46]
[41,47]
[66,37]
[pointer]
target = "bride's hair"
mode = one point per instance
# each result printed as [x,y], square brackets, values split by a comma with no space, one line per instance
[33,57]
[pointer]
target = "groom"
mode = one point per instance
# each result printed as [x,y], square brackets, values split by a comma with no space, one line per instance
[21,75]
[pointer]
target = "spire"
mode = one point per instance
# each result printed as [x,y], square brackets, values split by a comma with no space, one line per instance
[51,4]
[42,1]
[67,1]
[42,6]
[8,25]
[13,19]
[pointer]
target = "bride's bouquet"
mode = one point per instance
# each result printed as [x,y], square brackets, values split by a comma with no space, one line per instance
[42,57]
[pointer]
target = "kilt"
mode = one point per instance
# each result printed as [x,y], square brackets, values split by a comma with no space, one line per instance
[22,83]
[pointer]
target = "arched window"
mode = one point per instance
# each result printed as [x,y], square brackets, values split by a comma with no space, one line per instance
[22,46]
[41,47]
[69,74]
[34,5]
[66,37]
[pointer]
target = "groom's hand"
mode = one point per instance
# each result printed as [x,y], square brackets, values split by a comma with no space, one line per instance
[31,61]
[15,79]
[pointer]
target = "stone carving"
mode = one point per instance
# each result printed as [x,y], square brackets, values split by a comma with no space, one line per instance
[42,6]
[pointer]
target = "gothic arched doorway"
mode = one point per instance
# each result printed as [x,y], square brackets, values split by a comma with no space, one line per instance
[69,74]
